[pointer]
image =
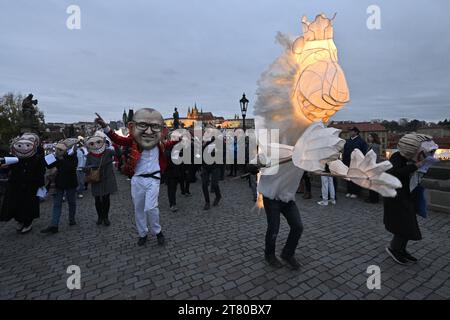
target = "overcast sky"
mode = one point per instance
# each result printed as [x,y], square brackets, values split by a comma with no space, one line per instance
[171,53]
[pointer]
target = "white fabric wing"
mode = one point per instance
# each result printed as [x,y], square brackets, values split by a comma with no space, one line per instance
[316,147]
[365,172]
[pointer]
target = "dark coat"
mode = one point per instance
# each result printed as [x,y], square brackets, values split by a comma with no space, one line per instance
[352,144]
[400,212]
[20,200]
[173,171]
[107,184]
[66,176]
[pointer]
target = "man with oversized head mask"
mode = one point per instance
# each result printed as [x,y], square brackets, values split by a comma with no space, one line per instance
[145,164]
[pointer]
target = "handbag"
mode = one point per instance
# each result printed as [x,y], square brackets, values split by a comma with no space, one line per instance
[94,176]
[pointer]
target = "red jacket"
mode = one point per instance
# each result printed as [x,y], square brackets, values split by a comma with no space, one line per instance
[135,152]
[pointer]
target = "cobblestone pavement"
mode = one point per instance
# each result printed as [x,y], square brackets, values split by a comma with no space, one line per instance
[219,254]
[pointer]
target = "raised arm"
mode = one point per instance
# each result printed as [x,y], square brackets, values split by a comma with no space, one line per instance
[122,141]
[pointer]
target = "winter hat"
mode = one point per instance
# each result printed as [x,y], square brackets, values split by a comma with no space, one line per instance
[410,143]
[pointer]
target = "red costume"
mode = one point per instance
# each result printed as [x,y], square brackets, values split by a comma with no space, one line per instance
[135,152]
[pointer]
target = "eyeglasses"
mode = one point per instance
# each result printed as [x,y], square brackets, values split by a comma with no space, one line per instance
[143,126]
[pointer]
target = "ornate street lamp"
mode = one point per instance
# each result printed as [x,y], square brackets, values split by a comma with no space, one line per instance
[244,106]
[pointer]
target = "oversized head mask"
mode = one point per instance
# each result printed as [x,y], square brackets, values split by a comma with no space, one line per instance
[146,128]
[96,145]
[60,150]
[24,147]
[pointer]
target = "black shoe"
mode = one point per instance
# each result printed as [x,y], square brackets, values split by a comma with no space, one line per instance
[207,206]
[398,257]
[142,241]
[293,263]
[409,257]
[216,201]
[50,229]
[99,221]
[106,222]
[72,223]
[273,261]
[160,238]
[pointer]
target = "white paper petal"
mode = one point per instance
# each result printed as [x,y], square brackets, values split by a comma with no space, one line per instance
[338,168]
[365,172]
[317,146]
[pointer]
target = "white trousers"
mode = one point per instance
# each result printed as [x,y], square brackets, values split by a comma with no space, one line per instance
[145,192]
[327,186]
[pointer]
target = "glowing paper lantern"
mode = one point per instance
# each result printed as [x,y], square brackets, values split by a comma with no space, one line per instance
[321,88]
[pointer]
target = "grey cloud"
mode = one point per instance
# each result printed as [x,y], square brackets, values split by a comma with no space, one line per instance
[174,53]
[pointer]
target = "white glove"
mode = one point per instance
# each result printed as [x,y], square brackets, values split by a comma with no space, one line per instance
[316,147]
[71,151]
[9,160]
[365,172]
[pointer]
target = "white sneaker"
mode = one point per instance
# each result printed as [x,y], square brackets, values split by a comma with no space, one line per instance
[80,196]
[323,203]
[26,229]
[333,201]
[348,195]
[353,196]
[173,209]
[19,226]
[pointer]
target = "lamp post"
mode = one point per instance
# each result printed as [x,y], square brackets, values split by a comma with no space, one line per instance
[244,106]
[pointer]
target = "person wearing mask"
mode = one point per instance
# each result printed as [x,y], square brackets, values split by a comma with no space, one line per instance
[146,162]
[101,158]
[400,212]
[65,160]
[26,169]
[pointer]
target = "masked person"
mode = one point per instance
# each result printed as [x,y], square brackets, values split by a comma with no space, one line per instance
[65,160]
[400,213]
[26,176]
[145,164]
[101,158]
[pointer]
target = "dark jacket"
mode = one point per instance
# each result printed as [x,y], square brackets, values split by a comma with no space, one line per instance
[400,212]
[20,200]
[173,171]
[352,144]
[66,176]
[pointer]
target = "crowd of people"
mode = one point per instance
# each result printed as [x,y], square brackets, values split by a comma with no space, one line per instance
[146,157]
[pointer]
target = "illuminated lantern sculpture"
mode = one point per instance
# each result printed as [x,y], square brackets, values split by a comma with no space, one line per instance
[321,88]
[299,92]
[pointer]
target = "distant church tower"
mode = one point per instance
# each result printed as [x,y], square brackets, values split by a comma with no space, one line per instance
[124,118]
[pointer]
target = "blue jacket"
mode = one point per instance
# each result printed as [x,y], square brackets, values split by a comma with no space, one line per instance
[352,144]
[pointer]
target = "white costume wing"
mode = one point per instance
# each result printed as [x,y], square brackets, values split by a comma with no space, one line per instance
[367,173]
[316,147]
